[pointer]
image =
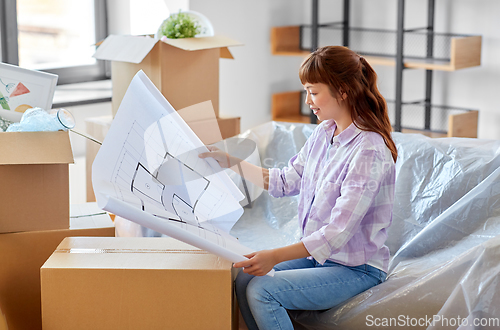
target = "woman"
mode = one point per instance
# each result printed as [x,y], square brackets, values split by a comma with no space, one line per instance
[345,176]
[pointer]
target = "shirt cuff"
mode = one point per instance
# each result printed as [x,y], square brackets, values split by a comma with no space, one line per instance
[317,246]
[275,187]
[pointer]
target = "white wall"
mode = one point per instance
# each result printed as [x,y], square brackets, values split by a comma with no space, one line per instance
[246,83]
[140,16]
[478,87]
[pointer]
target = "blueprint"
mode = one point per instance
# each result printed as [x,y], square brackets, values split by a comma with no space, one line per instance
[148,171]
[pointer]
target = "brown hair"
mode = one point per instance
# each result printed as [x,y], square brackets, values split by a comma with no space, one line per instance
[344,71]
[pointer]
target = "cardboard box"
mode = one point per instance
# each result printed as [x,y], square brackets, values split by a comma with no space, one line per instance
[34,167]
[214,130]
[89,215]
[186,71]
[96,127]
[206,125]
[22,255]
[3,322]
[136,283]
[208,130]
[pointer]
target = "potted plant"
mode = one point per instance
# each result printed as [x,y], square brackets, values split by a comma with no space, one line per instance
[187,24]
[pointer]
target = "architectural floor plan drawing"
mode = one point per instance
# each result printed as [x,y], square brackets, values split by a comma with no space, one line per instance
[148,171]
[165,185]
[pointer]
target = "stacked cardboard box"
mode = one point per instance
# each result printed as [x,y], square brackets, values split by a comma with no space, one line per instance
[34,191]
[136,283]
[97,127]
[35,216]
[186,71]
[23,253]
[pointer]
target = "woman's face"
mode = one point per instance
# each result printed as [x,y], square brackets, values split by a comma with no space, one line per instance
[323,104]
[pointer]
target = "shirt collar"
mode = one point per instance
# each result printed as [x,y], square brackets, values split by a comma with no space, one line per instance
[344,137]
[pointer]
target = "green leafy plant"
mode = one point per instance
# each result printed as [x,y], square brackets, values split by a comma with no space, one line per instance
[180,25]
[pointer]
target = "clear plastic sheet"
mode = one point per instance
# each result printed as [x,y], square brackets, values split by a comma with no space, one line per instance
[445,265]
[444,239]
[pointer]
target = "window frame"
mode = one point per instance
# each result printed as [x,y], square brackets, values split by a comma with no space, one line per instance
[9,45]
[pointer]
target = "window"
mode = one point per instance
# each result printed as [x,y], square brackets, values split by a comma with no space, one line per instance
[56,36]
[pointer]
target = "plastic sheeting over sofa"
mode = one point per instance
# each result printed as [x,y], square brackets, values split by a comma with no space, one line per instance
[444,239]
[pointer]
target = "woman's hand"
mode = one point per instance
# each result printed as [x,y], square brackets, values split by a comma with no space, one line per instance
[259,263]
[220,156]
[253,173]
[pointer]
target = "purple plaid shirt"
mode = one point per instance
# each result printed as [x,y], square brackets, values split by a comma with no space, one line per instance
[346,195]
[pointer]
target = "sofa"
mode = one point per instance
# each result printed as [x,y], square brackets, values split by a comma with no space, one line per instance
[444,238]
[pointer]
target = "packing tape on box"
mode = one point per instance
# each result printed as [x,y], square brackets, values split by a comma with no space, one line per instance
[90,250]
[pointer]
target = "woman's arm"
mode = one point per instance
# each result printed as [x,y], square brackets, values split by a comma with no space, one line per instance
[261,262]
[253,173]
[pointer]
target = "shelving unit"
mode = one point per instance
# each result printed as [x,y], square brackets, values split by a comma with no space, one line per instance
[465,50]
[437,51]
[287,107]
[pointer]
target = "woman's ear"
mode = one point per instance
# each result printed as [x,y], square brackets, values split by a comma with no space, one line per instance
[343,95]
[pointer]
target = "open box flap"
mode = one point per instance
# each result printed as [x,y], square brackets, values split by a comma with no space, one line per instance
[125,48]
[191,44]
[133,49]
[35,148]
[225,53]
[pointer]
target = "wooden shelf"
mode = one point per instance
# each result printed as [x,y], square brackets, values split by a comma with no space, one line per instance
[459,125]
[286,107]
[463,124]
[294,119]
[285,41]
[423,132]
[465,51]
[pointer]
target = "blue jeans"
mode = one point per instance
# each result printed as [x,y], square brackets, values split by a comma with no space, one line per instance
[300,284]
